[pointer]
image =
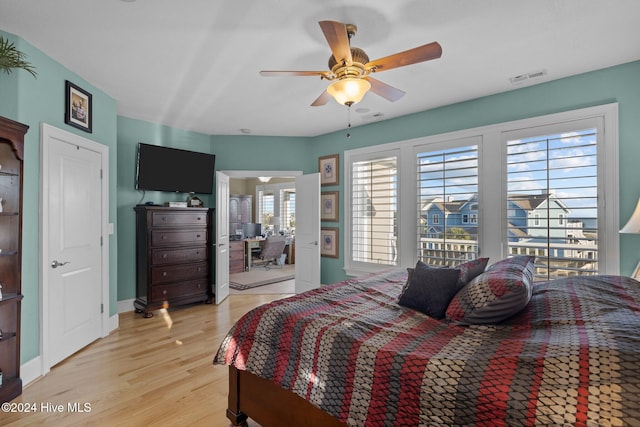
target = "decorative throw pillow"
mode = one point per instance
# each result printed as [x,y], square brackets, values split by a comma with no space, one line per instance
[429,290]
[470,269]
[495,295]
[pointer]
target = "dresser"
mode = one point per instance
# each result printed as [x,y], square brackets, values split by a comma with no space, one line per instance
[11,167]
[236,256]
[173,257]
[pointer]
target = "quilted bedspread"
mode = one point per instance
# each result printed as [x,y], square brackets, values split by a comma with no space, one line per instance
[570,358]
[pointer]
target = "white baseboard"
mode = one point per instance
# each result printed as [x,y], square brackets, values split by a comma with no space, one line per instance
[31,371]
[125,306]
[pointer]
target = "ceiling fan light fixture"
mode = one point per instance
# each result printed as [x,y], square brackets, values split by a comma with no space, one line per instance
[349,91]
[264,179]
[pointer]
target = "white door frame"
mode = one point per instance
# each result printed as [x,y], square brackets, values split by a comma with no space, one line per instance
[48,132]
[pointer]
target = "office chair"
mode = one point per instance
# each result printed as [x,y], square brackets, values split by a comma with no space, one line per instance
[271,251]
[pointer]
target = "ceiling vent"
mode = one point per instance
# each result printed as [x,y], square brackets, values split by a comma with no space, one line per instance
[528,77]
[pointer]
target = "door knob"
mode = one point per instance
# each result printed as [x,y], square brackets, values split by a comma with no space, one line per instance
[56,264]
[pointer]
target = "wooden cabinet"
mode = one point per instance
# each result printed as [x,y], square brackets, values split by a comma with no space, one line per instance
[240,211]
[236,256]
[173,257]
[11,158]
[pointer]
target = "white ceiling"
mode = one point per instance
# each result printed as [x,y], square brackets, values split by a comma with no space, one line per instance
[194,64]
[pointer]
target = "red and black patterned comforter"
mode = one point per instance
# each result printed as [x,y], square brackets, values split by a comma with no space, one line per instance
[572,357]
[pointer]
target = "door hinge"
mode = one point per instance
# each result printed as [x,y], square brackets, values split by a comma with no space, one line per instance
[100,173]
[101,308]
[100,240]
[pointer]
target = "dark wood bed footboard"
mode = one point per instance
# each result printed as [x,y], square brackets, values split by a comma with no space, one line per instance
[271,405]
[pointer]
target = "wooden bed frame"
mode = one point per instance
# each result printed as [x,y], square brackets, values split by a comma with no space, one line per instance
[270,405]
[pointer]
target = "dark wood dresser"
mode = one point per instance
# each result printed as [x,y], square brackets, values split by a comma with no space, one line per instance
[236,256]
[11,168]
[173,257]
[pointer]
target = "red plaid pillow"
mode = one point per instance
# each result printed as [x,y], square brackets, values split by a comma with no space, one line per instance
[495,295]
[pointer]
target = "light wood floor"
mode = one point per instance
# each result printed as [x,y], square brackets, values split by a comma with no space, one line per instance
[143,374]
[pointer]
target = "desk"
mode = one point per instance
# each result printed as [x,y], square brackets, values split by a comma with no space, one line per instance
[250,244]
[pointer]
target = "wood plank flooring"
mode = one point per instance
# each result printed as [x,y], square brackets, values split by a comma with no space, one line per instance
[142,374]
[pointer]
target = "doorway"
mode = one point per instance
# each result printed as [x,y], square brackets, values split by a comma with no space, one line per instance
[74,247]
[253,190]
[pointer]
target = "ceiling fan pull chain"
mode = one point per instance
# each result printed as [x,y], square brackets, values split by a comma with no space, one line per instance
[348,121]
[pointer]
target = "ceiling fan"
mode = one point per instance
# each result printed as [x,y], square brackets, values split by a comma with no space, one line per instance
[350,67]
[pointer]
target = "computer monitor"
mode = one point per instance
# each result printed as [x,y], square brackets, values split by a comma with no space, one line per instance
[250,229]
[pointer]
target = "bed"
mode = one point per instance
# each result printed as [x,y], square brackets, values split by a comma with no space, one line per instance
[350,354]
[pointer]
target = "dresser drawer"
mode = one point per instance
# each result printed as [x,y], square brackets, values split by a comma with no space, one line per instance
[173,273]
[175,237]
[173,256]
[172,219]
[179,290]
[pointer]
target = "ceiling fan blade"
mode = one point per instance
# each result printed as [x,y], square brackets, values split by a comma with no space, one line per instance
[293,73]
[338,39]
[322,99]
[386,91]
[412,56]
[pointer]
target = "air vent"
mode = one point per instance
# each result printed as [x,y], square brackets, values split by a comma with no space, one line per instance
[528,77]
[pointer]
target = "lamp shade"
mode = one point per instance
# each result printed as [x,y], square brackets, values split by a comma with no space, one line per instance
[633,225]
[349,91]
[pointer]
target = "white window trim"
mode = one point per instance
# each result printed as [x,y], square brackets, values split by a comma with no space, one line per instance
[492,236]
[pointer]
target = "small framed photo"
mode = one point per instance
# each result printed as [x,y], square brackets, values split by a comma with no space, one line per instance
[328,167]
[78,106]
[329,206]
[329,242]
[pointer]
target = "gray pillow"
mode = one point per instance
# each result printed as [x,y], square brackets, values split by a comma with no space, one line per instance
[429,290]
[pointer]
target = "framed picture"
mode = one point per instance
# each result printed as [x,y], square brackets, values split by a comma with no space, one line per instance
[329,206]
[77,111]
[328,168]
[329,242]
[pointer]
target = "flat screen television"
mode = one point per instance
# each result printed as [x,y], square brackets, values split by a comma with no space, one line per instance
[161,168]
[251,230]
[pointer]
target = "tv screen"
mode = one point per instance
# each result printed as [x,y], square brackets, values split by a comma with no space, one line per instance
[251,230]
[171,169]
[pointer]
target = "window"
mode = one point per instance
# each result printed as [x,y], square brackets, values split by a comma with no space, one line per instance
[288,209]
[491,191]
[276,207]
[448,183]
[555,177]
[373,211]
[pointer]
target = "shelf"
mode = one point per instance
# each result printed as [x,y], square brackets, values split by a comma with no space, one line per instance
[10,253]
[6,336]
[11,174]
[9,213]
[10,297]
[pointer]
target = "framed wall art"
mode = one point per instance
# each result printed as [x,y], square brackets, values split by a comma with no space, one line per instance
[328,167]
[329,206]
[78,105]
[329,242]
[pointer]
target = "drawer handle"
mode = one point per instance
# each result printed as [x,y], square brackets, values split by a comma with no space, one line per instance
[198,285]
[164,237]
[164,274]
[164,292]
[164,255]
[199,218]
[164,218]
[198,236]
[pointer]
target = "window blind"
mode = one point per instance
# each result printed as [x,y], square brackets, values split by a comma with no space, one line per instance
[448,205]
[373,211]
[552,199]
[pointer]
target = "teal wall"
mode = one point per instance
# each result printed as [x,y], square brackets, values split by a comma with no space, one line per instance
[616,84]
[32,101]
[232,153]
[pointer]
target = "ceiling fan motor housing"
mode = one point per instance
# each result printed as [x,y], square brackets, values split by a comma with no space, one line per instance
[357,55]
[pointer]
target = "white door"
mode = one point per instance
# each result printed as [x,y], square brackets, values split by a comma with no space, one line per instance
[72,255]
[221,288]
[307,232]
